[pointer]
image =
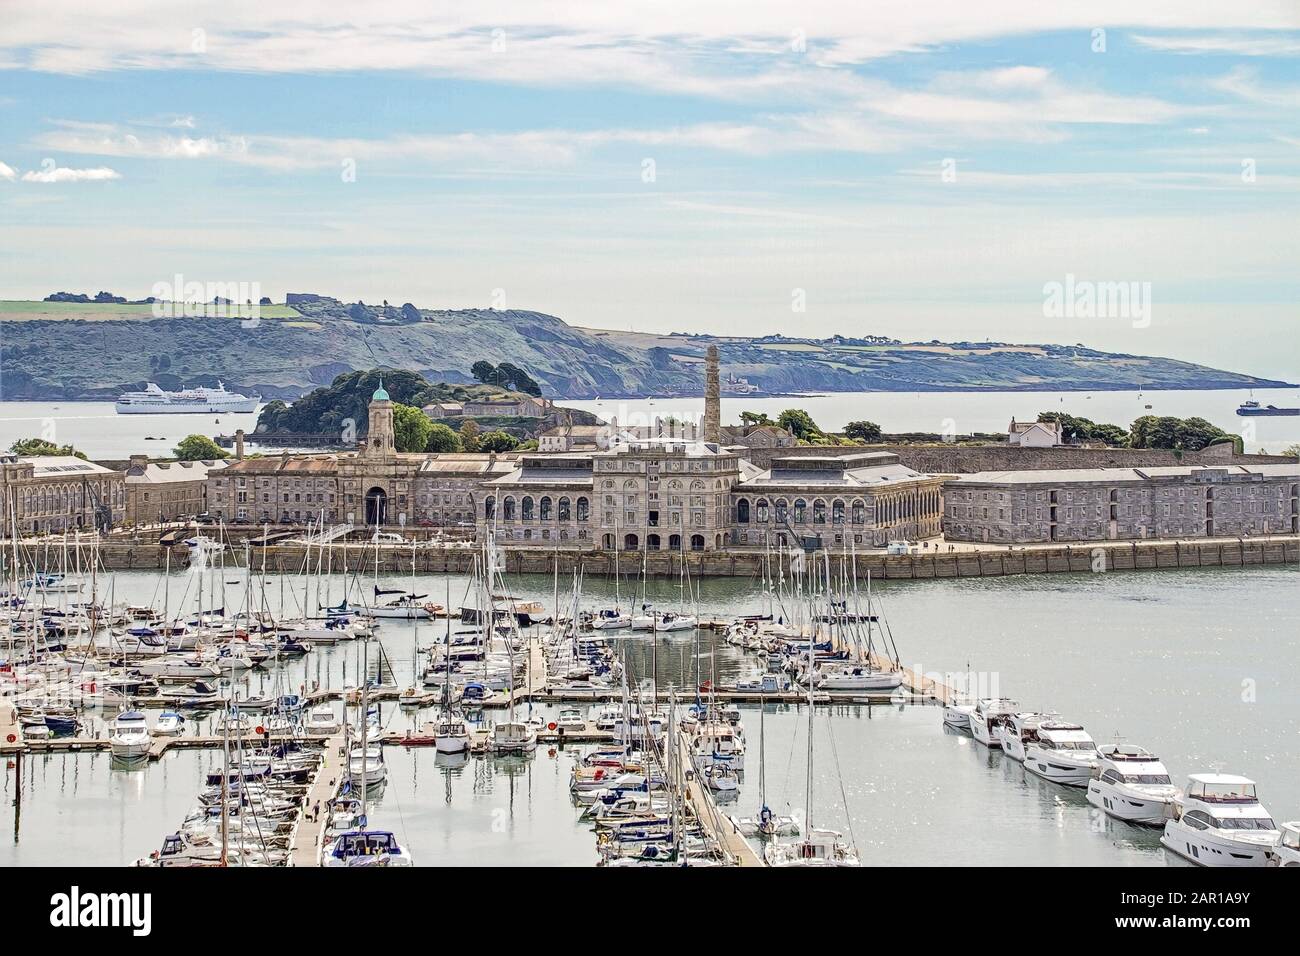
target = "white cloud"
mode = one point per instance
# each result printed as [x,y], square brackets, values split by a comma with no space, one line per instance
[65,174]
[1217,43]
[7,173]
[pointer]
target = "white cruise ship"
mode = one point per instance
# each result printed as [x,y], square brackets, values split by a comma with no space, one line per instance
[154,401]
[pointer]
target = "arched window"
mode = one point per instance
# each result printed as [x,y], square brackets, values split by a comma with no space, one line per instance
[800,507]
[674,542]
[742,511]
[781,507]
[526,509]
[819,511]
[582,509]
[697,542]
[546,508]
[859,511]
[489,508]
[508,509]
[837,511]
[564,509]
[630,542]
[760,511]
[652,542]
[629,485]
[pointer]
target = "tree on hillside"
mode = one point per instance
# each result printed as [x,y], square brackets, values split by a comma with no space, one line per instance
[198,448]
[799,423]
[1166,431]
[469,435]
[33,447]
[1292,451]
[411,428]
[756,418]
[484,372]
[442,439]
[1075,429]
[498,442]
[864,432]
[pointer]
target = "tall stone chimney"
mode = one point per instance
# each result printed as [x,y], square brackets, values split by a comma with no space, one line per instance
[712,397]
[239,444]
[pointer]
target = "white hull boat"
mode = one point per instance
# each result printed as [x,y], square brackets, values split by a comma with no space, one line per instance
[1220,822]
[1063,753]
[1131,784]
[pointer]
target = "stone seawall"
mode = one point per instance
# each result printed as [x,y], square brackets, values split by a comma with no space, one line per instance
[967,459]
[1108,556]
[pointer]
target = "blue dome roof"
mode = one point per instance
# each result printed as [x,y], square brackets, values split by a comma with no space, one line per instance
[380,394]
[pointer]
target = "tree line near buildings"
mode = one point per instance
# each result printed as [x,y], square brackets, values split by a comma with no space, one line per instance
[414,431]
[190,448]
[1149,431]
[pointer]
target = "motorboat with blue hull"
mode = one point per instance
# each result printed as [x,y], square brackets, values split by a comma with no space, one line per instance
[366,848]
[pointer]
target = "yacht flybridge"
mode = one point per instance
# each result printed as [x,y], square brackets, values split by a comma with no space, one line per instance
[1131,784]
[1219,821]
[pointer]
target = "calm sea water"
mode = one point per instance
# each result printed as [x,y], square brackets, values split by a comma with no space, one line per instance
[93,427]
[1200,666]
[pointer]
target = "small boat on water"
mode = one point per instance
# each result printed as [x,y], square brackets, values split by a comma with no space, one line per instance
[512,737]
[169,724]
[1253,409]
[368,763]
[321,720]
[366,848]
[451,734]
[130,735]
[676,622]
[1219,821]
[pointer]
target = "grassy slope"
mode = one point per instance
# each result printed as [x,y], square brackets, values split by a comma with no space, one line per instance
[77,350]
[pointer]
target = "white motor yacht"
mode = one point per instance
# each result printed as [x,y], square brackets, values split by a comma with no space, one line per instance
[1062,753]
[956,713]
[1286,852]
[1019,731]
[512,737]
[372,760]
[130,735]
[1131,784]
[322,720]
[1219,821]
[169,724]
[987,716]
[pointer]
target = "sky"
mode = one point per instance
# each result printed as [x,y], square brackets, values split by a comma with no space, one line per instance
[919,169]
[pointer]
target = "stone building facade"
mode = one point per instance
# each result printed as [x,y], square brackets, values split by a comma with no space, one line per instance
[48,494]
[864,500]
[695,496]
[166,491]
[377,485]
[642,495]
[1102,504]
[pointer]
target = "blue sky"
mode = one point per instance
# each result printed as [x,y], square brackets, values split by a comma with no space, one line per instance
[505,146]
